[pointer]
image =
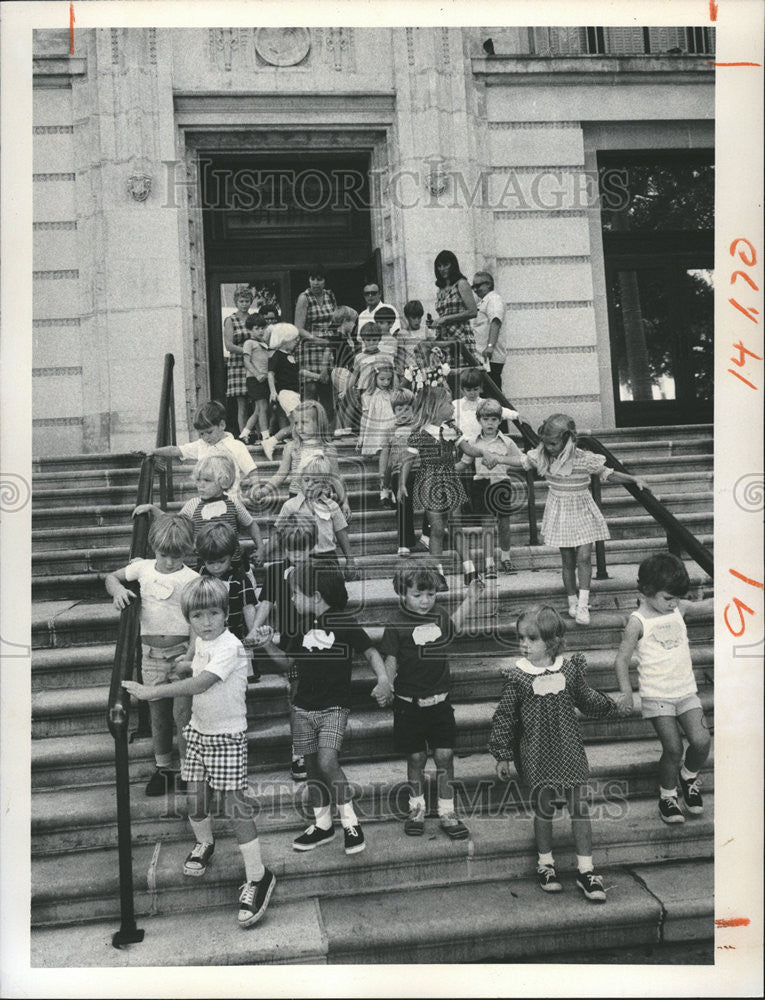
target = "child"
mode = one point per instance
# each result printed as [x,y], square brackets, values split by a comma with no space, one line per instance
[344,347]
[657,633]
[213,477]
[214,439]
[349,413]
[415,646]
[217,742]
[536,726]
[256,355]
[310,437]
[392,455]
[385,317]
[437,487]
[164,633]
[410,337]
[323,655]
[571,520]
[315,501]
[471,383]
[234,335]
[377,412]
[216,546]
[491,489]
[295,539]
[283,379]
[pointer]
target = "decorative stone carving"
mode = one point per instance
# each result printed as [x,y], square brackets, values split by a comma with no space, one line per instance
[437,179]
[283,46]
[223,43]
[139,186]
[339,45]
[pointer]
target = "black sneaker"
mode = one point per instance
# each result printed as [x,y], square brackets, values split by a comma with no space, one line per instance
[354,839]
[670,811]
[253,899]
[548,880]
[299,772]
[163,781]
[312,837]
[691,795]
[592,886]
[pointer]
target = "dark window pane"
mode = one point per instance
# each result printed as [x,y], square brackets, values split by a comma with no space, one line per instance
[643,341]
[653,197]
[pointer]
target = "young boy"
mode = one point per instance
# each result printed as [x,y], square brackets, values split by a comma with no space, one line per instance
[295,538]
[362,375]
[216,546]
[214,439]
[656,633]
[410,337]
[471,383]
[164,634]
[415,646]
[217,741]
[394,450]
[491,492]
[256,355]
[323,651]
[385,317]
[283,379]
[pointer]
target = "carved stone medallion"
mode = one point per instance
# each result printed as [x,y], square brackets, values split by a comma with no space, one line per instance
[282,46]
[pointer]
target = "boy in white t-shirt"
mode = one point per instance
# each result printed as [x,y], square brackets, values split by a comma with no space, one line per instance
[656,633]
[214,439]
[256,354]
[164,633]
[471,383]
[217,741]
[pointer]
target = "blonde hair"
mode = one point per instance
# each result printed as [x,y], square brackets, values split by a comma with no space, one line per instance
[319,416]
[560,422]
[220,467]
[344,314]
[172,535]
[202,593]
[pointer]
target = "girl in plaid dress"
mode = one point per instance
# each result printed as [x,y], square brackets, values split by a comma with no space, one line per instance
[535,725]
[571,520]
[234,335]
[216,756]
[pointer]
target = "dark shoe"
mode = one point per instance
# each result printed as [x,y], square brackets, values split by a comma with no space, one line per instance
[592,886]
[354,839]
[670,811]
[691,795]
[506,566]
[253,899]
[299,772]
[491,572]
[312,837]
[198,860]
[414,825]
[454,828]
[164,781]
[548,880]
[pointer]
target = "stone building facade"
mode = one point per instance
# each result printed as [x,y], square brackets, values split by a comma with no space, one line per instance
[491,142]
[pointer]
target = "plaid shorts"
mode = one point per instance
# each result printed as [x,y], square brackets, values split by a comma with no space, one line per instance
[316,729]
[219,758]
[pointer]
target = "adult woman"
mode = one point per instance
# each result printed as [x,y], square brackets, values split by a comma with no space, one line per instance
[234,335]
[313,313]
[455,302]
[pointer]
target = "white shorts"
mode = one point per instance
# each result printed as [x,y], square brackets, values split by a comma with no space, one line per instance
[288,400]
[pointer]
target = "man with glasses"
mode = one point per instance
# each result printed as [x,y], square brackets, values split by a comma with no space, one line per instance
[487,326]
[374,302]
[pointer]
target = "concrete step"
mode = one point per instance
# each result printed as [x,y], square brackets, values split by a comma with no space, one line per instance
[89,758]
[84,817]
[649,907]
[499,847]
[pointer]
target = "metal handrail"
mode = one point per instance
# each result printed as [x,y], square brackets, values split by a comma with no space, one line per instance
[679,538]
[128,632]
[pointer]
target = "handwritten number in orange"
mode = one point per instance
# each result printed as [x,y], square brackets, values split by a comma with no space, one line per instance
[747,279]
[740,606]
[733,251]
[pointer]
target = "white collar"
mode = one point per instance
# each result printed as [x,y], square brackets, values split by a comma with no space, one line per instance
[500,437]
[434,430]
[529,668]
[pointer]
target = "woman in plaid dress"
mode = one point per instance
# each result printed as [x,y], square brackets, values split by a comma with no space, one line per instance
[455,302]
[313,313]
[234,335]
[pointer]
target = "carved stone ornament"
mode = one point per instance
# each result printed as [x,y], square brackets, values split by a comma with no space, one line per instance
[139,186]
[437,180]
[282,46]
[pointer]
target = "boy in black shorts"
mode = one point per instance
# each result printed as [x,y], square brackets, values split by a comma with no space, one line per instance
[415,646]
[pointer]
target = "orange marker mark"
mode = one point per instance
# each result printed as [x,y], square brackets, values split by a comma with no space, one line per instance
[71,29]
[710,63]
[712,10]
[732,922]
[754,583]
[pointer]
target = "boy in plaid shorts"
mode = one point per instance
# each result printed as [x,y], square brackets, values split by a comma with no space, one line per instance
[323,651]
[216,754]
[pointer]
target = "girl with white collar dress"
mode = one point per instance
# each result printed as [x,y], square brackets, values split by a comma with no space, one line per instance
[535,725]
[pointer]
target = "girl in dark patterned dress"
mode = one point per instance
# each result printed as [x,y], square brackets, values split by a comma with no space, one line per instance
[535,725]
[234,335]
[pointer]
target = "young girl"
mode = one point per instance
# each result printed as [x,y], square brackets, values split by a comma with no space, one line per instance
[323,651]
[217,741]
[536,726]
[657,633]
[437,487]
[392,455]
[256,354]
[234,335]
[164,634]
[377,415]
[571,520]
[283,380]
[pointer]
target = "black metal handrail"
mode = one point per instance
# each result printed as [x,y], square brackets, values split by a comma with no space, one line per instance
[679,538]
[128,632]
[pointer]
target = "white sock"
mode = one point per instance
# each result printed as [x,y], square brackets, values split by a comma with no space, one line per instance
[468,566]
[584,863]
[323,818]
[202,830]
[489,562]
[440,569]
[425,539]
[546,859]
[347,815]
[416,802]
[505,554]
[668,793]
[687,775]
[584,598]
[572,602]
[445,806]
[163,759]
[253,862]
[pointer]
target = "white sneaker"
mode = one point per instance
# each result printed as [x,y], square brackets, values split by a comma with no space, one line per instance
[343,432]
[268,444]
[425,539]
[582,615]
[403,551]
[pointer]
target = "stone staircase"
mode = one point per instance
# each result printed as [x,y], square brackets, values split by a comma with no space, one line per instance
[404,899]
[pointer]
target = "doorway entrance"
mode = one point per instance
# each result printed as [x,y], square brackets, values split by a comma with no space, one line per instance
[268,218]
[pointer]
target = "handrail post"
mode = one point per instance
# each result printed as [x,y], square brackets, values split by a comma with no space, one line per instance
[600,546]
[170,440]
[128,933]
[532,508]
